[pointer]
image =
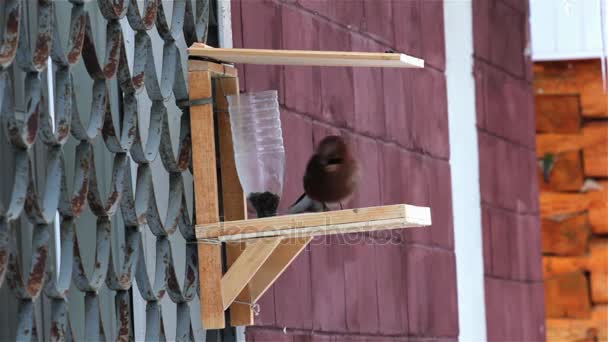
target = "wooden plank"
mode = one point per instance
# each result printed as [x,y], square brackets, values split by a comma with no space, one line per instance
[557,265]
[571,330]
[210,273]
[305,57]
[595,155]
[240,314]
[566,174]
[567,296]
[566,237]
[233,198]
[216,69]
[245,267]
[276,264]
[557,203]
[205,191]
[557,114]
[362,219]
[203,158]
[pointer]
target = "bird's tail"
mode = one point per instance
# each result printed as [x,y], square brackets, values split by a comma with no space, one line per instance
[305,204]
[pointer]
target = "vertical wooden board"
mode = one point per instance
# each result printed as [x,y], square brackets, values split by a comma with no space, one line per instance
[557,113]
[567,296]
[233,198]
[567,237]
[566,174]
[205,192]
[232,193]
[210,273]
[203,154]
[240,314]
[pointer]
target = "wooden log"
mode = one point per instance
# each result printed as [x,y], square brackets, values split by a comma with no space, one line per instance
[557,265]
[582,77]
[598,262]
[568,237]
[566,174]
[571,330]
[567,296]
[595,155]
[557,203]
[557,114]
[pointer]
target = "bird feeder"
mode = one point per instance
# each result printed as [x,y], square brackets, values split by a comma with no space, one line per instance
[259,250]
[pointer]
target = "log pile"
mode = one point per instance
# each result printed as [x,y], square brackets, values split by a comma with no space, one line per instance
[572,149]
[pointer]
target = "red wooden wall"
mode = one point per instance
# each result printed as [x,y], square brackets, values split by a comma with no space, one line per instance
[508,169]
[393,285]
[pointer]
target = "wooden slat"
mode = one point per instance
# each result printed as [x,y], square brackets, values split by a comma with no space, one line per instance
[566,237]
[210,275]
[557,114]
[216,70]
[276,264]
[233,198]
[303,57]
[205,191]
[203,160]
[567,296]
[566,175]
[245,267]
[363,219]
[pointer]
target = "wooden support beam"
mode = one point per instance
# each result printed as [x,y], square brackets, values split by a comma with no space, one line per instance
[245,267]
[306,57]
[276,264]
[240,314]
[205,190]
[210,275]
[313,224]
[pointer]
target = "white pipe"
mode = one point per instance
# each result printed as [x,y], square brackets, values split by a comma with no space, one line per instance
[464,162]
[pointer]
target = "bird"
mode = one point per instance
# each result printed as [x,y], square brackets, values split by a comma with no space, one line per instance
[331,176]
[547,164]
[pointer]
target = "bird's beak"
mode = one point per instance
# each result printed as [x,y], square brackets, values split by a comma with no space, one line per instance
[331,167]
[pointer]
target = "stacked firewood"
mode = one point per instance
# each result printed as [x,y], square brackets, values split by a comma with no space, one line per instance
[572,150]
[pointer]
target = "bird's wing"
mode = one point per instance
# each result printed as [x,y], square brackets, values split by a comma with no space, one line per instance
[305,204]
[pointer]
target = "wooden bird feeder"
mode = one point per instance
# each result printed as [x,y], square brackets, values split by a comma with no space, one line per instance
[259,250]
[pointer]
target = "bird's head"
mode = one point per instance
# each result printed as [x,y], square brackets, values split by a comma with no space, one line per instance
[332,152]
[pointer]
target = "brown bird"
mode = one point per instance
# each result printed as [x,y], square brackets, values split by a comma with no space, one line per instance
[331,176]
